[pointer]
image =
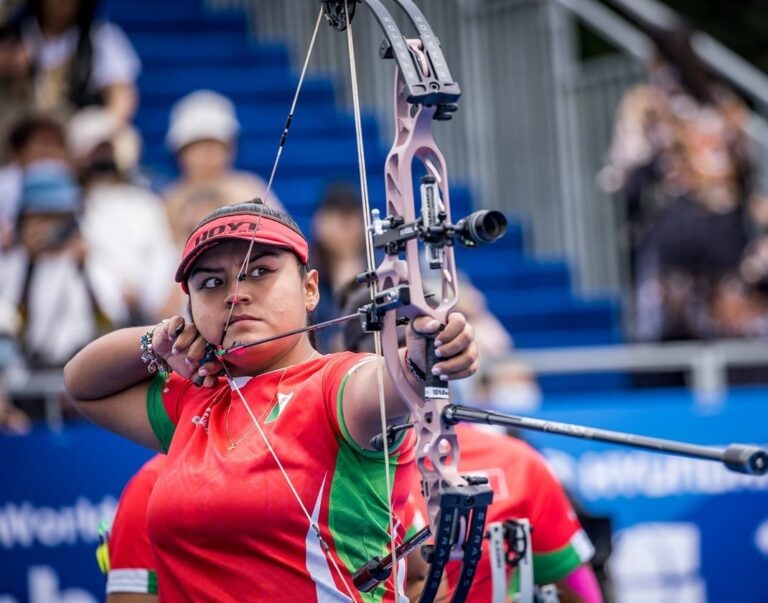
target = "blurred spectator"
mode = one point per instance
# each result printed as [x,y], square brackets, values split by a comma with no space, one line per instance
[72,58]
[337,253]
[53,299]
[494,344]
[198,203]
[15,96]
[139,252]
[681,159]
[508,385]
[34,137]
[203,135]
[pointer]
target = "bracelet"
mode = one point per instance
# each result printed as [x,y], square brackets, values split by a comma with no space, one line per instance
[154,362]
[413,368]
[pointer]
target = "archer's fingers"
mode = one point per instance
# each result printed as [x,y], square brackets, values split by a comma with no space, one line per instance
[210,367]
[456,324]
[460,365]
[424,325]
[457,336]
[185,334]
[174,326]
[196,350]
[468,372]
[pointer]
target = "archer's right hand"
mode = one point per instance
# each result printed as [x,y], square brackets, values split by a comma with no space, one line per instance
[182,347]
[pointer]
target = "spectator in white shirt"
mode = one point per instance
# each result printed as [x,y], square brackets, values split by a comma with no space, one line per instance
[69,59]
[54,299]
[203,136]
[140,252]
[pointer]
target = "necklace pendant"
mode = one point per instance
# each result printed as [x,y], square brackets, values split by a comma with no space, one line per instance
[232,446]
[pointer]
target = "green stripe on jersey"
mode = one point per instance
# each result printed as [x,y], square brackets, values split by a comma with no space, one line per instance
[554,566]
[158,418]
[359,503]
[152,582]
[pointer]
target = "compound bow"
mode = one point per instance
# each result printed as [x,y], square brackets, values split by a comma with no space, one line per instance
[425,92]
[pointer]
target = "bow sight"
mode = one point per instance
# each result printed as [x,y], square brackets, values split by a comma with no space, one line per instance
[478,228]
[391,234]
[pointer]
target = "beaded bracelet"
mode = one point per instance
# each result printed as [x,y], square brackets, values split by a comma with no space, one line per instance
[414,369]
[148,356]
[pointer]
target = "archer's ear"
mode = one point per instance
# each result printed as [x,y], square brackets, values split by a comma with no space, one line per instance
[311,290]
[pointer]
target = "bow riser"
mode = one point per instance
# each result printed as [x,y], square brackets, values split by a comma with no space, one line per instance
[456,508]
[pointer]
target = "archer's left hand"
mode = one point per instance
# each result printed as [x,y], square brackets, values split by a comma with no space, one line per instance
[455,345]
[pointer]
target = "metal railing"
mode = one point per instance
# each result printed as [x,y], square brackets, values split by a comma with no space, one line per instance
[705,363]
[19,382]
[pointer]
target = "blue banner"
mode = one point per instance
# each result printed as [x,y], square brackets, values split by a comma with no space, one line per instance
[56,489]
[685,530]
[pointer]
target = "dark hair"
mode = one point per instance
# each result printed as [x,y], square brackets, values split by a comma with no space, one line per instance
[80,93]
[352,297]
[341,197]
[28,125]
[674,46]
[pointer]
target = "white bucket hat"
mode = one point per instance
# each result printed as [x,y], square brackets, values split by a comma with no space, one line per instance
[92,126]
[202,115]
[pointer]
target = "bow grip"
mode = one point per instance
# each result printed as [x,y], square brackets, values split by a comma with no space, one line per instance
[430,360]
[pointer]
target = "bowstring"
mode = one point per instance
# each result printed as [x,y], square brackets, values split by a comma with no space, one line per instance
[279,154]
[371,265]
[243,271]
[312,524]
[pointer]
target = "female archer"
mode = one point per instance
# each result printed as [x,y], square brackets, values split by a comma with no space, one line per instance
[271,489]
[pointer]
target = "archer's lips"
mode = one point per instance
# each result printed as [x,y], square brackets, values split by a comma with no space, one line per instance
[242,318]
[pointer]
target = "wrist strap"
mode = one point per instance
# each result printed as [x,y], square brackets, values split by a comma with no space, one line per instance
[413,368]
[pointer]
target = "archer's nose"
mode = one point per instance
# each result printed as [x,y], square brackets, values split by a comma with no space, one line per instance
[238,295]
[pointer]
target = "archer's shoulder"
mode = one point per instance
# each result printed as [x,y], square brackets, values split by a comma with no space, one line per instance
[180,395]
[344,361]
[336,367]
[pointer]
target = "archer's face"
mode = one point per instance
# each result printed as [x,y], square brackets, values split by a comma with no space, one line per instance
[274,297]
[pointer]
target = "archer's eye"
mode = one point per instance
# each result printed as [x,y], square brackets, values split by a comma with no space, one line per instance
[210,283]
[257,271]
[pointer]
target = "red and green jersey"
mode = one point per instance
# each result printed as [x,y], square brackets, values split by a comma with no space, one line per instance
[523,487]
[131,563]
[223,521]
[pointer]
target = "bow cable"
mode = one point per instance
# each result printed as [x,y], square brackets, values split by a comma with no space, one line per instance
[280,147]
[371,267]
[243,270]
